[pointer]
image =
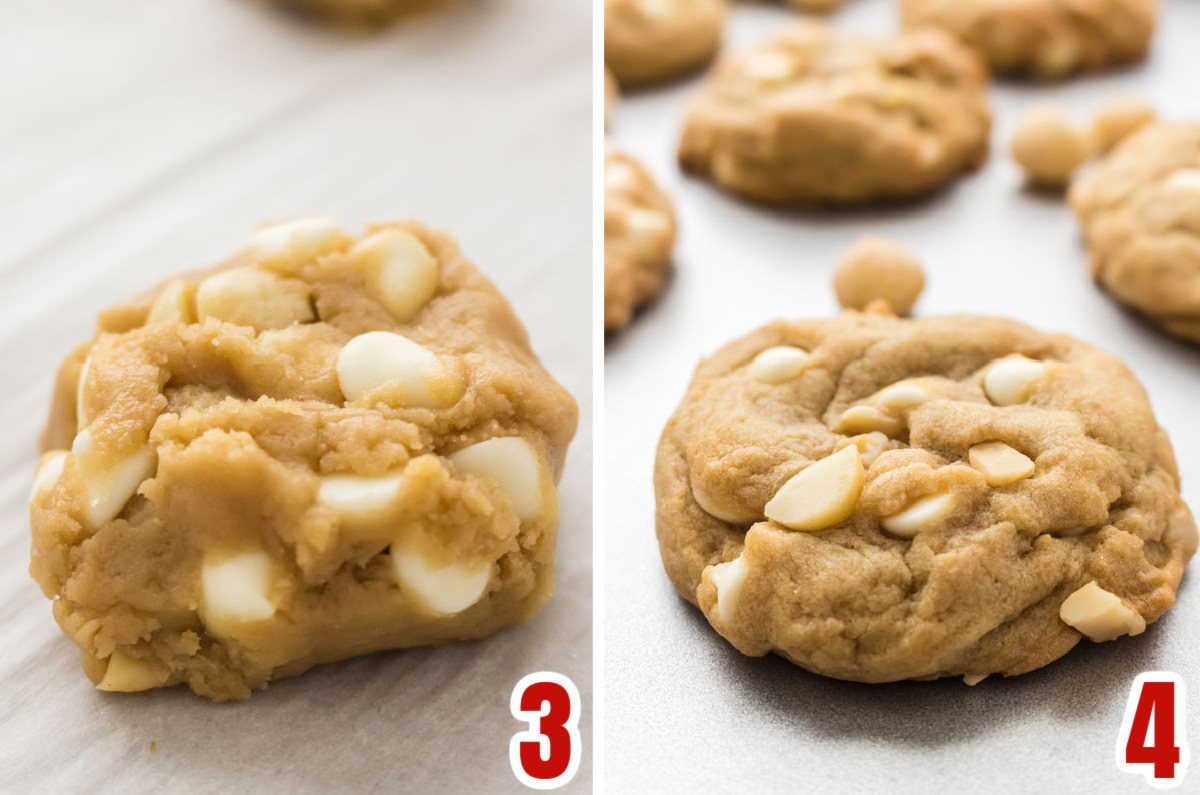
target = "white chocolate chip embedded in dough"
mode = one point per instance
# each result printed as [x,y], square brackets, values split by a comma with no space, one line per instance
[999,463]
[174,304]
[1186,180]
[126,674]
[778,364]
[728,579]
[445,590]
[109,481]
[82,417]
[381,358]
[1009,381]
[1100,615]
[866,419]
[49,470]
[821,495]
[302,237]
[769,67]
[252,297]
[512,462]
[400,272]
[357,497]
[898,397]
[918,516]
[237,590]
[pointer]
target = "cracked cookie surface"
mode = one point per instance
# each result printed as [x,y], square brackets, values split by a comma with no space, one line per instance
[879,499]
[326,446]
[814,116]
[1140,212]
[1043,38]
[639,233]
[652,41]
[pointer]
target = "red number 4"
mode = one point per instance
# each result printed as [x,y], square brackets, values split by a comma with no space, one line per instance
[1152,738]
[547,755]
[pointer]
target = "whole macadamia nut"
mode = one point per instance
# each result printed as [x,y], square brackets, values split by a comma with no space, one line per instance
[1048,146]
[878,269]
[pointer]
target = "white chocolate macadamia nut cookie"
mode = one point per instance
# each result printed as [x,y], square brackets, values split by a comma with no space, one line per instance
[324,447]
[1043,39]
[639,233]
[651,41]
[1140,212]
[814,116]
[991,473]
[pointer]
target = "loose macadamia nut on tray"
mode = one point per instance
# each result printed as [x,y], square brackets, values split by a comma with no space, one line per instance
[874,269]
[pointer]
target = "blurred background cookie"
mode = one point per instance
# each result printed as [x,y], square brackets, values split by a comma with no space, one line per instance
[639,233]
[652,41]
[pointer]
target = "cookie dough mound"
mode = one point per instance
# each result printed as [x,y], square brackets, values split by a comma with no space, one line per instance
[362,13]
[1043,39]
[652,41]
[879,499]
[325,447]
[1140,212]
[818,117]
[639,233]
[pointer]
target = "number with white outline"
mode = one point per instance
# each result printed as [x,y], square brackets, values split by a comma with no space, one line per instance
[547,755]
[1155,710]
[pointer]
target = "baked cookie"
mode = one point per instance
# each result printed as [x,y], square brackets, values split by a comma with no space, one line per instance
[1140,212]
[1043,39]
[362,13]
[325,447]
[879,499]
[816,6]
[819,117]
[612,96]
[639,233]
[652,41]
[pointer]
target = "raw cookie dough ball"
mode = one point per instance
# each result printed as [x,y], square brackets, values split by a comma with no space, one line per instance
[651,41]
[325,447]
[639,233]
[1048,146]
[1043,39]
[876,268]
[1140,212]
[878,499]
[362,13]
[1118,119]
[819,117]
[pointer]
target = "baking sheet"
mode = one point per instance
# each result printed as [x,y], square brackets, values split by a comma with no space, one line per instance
[684,710]
[139,138]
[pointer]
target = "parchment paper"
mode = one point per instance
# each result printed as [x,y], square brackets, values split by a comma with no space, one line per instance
[139,138]
[684,710]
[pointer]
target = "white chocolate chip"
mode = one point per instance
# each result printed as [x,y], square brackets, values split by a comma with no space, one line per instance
[867,419]
[821,495]
[513,464]
[109,481]
[445,590]
[356,497]
[381,358]
[237,590]
[1100,615]
[49,470]
[399,271]
[973,679]
[778,364]
[1010,380]
[174,304]
[649,230]
[918,516]
[657,9]
[728,578]
[302,237]
[620,177]
[869,446]
[769,67]
[81,416]
[1000,463]
[901,396]
[252,297]
[126,674]
[1185,180]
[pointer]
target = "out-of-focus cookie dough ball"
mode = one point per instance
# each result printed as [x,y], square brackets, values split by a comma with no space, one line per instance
[876,268]
[1048,146]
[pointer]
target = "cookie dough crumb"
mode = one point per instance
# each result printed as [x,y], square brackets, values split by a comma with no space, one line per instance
[878,268]
[1100,615]
[1117,119]
[1048,146]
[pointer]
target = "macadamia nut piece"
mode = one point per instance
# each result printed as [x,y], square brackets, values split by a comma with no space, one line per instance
[821,495]
[1048,146]
[728,579]
[1100,615]
[878,268]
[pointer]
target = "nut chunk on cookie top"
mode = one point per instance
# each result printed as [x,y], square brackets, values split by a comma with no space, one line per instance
[324,447]
[1140,211]
[818,117]
[880,499]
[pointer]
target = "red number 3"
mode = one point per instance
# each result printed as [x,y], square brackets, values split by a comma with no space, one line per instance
[547,755]
[1156,704]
